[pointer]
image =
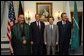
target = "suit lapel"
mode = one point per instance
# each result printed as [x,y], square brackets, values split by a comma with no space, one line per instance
[18,30]
[61,25]
[53,27]
[48,27]
[35,24]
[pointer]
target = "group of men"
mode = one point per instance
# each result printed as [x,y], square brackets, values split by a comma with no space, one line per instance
[36,37]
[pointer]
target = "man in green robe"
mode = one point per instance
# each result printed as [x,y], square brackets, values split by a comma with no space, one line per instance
[21,37]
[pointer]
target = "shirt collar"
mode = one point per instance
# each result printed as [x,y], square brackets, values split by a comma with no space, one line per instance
[63,22]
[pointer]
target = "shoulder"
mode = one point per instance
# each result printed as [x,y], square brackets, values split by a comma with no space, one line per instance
[59,22]
[68,22]
[42,22]
[26,24]
[32,23]
[55,25]
[46,26]
[15,25]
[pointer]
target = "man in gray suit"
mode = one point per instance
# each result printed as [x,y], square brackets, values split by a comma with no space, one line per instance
[51,36]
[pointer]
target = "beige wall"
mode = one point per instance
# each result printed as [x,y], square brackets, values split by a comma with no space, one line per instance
[31,7]
[56,6]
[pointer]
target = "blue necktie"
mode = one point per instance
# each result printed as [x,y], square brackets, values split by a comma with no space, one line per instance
[64,25]
[51,29]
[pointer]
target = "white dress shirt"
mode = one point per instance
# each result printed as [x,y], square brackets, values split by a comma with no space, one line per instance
[63,22]
[51,26]
[38,24]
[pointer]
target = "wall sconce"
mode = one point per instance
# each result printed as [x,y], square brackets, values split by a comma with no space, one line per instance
[57,15]
[27,16]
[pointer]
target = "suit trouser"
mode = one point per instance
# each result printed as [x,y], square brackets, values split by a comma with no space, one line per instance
[22,51]
[50,48]
[37,49]
[63,49]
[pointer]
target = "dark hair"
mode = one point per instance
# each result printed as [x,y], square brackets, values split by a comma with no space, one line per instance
[50,17]
[62,14]
[37,14]
[20,14]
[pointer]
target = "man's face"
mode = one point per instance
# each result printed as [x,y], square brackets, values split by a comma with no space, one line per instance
[64,18]
[37,17]
[51,20]
[21,19]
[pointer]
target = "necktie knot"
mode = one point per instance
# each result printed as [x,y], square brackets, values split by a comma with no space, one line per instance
[64,25]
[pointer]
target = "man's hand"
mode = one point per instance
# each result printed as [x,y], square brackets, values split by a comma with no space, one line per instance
[11,51]
[31,42]
[24,42]
[45,43]
[56,43]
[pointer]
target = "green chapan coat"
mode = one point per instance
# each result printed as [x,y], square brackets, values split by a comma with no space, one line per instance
[18,47]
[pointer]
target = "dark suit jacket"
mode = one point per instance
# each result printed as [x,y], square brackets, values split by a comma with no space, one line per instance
[64,33]
[36,33]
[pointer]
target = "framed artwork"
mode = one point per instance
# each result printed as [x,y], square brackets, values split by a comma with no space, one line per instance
[44,9]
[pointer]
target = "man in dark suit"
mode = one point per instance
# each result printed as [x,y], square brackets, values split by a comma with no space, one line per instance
[37,33]
[64,27]
[21,37]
